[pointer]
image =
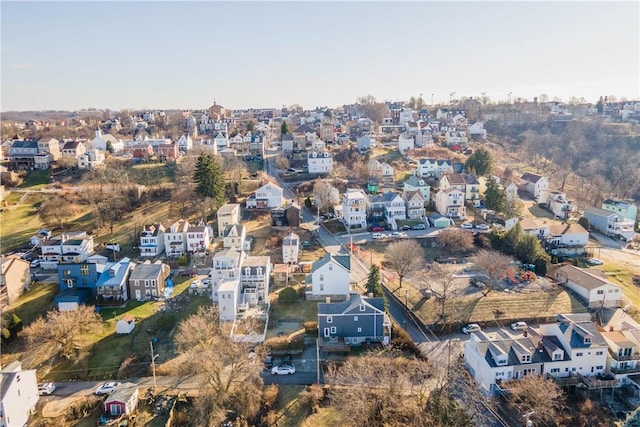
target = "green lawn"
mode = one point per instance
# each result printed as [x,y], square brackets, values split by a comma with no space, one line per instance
[307,310]
[37,179]
[622,277]
[35,302]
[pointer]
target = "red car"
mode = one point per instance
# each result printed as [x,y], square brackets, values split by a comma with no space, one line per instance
[188,273]
[377,228]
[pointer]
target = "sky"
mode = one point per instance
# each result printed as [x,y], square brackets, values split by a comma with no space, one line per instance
[184,55]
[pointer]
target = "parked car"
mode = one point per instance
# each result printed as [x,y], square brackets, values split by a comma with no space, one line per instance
[467,226]
[396,234]
[595,261]
[46,388]
[482,227]
[377,228]
[196,283]
[378,236]
[470,328]
[283,370]
[187,273]
[404,228]
[35,263]
[106,388]
[292,170]
[306,244]
[519,326]
[419,227]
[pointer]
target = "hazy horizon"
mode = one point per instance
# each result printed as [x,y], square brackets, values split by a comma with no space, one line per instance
[69,56]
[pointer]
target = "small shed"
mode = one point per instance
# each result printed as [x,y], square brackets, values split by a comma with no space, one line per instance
[70,299]
[125,324]
[123,401]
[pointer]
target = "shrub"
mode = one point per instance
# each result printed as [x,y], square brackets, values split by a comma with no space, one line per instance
[636,280]
[270,396]
[183,260]
[401,340]
[288,294]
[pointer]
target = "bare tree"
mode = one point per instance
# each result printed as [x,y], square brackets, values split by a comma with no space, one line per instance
[59,333]
[494,266]
[324,195]
[57,209]
[229,375]
[404,257]
[235,169]
[537,396]
[282,162]
[456,240]
[440,282]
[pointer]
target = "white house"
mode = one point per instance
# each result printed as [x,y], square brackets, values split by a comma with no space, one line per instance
[221,141]
[394,206]
[268,196]
[228,298]
[19,395]
[414,203]
[443,167]
[560,205]
[379,169]
[467,183]
[610,223]
[225,266]
[91,159]
[477,130]
[234,236]
[593,289]
[152,240]
[624,353]
[290,248]
[320,162]
[511,190]
[405,142]
[426,167]
[536,185]
[566,239]
[125,325]
[228,214]
[198,237]
[330,277]
[364,143]
[450,203]
[354,212]
[185,143]
[175,238]
[101,142]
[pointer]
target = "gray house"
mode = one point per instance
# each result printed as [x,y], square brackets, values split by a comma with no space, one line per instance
[353,322]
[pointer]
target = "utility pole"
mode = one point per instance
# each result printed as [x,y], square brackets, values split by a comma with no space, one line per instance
[153,365]
[317,362]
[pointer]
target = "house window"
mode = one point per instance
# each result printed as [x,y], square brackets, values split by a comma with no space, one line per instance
[557,356]
[555,370]
[600,292]
[84,270]
[333,329]
[579,354]
[69,282]
[598,353]
[361,307]
[599,367]
[321,277]
[359,329]
[146,283]
[355,318]
[330,267]
[587,340]
[329,319]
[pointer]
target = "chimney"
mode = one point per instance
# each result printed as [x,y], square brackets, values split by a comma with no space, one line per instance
[540,348]
[327,300]
[370,295]
[610,328]
[524,333]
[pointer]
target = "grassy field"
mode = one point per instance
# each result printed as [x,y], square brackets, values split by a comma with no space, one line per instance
[307,310]
[35,302]
[622,277]
[37,179]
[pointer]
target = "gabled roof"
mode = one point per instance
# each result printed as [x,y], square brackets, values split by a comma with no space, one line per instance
[304,129]
[237,228]
[355,300]
[583,278]
[414,181]
[123,393]
[147,271]
[228,208]
[564,229]
[455,179]
[291,239]
[600,212]
[343,260]
[410,194]
[25,144]
[389,196]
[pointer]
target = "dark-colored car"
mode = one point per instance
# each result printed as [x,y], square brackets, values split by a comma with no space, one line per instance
[188,273]
[419,227]
[404,228]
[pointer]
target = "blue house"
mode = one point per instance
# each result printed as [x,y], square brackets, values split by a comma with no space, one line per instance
[353,322]
[104,284]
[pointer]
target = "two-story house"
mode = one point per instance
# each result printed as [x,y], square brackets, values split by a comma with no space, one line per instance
[465,182]
[426,168]
[566,240]
[152,240]
[147,281]
[268,196]
[330,277]
[594,290]
[536,185]
[225,267]
[185,143]
[74,149]
[357,321]
[106,142]
[91,159]
[450,203]
[71,247]
[560,206]
[414,183]
[255,273]
[228,214]
[22,154]
[624,352]
[414,203]
[363,142]
[610,223]
[394,206]
[50,146]
[354,212]
[406,142]
[19,395]
[15,278]
[175,238]
[198,237]
[290,248]
[234,236]
[380,170]
[376,209]
[320,162]
[112,285]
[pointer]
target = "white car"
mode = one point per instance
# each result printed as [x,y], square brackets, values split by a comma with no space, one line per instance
[467,226]
[471,327]
[46,388]
[283,370]
[377,236]
[35,263]
[519,326]
[106,388]
[595,261]
[482,227]
[196,283]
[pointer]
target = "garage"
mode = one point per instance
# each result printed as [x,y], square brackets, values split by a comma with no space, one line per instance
[67,306]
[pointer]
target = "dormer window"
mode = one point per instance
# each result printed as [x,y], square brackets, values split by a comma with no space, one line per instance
[362,308]
[587,340]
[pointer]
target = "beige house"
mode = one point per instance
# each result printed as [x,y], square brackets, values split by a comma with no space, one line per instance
[228,214]
[147,280]
[15,277]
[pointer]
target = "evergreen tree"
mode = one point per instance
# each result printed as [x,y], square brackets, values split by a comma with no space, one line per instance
[250,126]
[495,198]
[480,162]
[284,128]
[209,178]
[373,283]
